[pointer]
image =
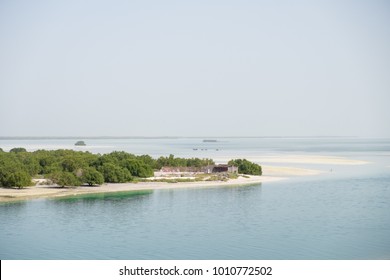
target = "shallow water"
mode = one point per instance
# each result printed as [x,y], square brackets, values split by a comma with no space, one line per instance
[327,219]
[343,214]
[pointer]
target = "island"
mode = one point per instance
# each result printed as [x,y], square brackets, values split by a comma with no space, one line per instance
[80,143]
[44,173]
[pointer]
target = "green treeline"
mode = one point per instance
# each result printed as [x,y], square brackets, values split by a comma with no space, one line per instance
[74,168]
[176,162]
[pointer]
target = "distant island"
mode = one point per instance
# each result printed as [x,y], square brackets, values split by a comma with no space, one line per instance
[80,143]
[209,140]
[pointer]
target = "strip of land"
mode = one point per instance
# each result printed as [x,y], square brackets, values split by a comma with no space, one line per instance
[42,191]
[271,174]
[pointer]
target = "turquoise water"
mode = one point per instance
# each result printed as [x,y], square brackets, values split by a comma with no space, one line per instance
[339,215]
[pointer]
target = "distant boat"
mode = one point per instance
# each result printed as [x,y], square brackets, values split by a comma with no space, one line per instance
[209,140]
[80,143]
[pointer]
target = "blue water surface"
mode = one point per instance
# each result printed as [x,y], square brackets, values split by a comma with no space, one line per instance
[343,214]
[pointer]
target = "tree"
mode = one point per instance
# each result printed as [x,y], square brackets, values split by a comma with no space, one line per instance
[246,167]
[64,178]
[12,172]
[48,162]
[148,160]
[115,174]
[30,163]
[138,168]
[182,162]
[19,179]
[91,176]
[70,164]
[18,150]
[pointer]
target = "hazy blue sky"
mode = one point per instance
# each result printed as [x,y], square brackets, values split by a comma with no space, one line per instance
[194,68]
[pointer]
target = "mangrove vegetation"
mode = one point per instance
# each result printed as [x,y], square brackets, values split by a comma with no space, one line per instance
[74,168]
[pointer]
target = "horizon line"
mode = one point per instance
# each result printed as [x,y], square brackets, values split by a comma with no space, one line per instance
[177,137]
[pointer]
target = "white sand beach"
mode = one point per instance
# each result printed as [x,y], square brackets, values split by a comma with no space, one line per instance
[42,191]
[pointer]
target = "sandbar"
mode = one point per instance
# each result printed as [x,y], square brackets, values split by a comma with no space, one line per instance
[289,171]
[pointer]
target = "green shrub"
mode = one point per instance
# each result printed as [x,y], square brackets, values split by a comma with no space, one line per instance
[64,178]
[246,167]
[18,150]
[91,176]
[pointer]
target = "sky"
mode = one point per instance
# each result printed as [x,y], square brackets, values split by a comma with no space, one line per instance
[195,68]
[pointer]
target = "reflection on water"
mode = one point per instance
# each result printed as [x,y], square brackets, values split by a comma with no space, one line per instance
[108,196]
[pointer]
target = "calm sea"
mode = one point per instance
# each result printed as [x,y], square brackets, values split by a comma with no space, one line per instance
[344,214]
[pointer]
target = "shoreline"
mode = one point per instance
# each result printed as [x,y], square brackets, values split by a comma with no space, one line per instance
[273,174]
[51,191]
